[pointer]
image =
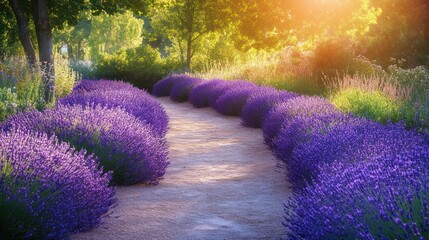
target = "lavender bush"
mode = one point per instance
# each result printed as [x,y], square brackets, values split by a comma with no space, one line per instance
[233,101]
[47,189]
[260,103]
[100,85]
[301,129]
[163,87]
[221,89]
[136,101]
[181,89]
[283,113]
[384,197]
[355,140]
[199,96]
[123,143]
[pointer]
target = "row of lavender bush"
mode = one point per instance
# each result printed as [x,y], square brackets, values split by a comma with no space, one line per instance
[352,178]
[58,167]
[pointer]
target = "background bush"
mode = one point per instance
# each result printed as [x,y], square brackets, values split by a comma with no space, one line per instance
[141,66]
[372,105]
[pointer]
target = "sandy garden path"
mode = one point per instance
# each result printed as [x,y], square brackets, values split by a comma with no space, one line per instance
[222,183]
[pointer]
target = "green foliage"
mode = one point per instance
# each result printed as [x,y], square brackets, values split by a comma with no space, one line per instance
[141,66]
[8,32]
[373,105]
[401,32]
[8,103]
[113,33]
[417,77]
[21,87]
[415,113]
[184,27]
[65,77]
[24,83]
[319,19]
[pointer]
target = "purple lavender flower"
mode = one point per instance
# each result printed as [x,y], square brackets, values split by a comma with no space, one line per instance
[199,96]
[383,197]
[122,143]
[301,129]
[233,101]
[135,101]
[181,89]
[260,103]
[354,140]
[220,89]
[283,113]
[100,85]
[47,189]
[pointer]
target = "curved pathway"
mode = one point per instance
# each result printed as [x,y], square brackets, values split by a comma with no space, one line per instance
[222,183]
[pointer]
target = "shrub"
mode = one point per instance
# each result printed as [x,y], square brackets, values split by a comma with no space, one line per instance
[415,110]
[354,140]
[136,102]
[283,113]
[123,143]
[85,86]
[260,103]
[47,189]
[162,88]
[8,103]
[221,89]
[65,77]
[373,105]
[383,197]
[181,89]
[233,101]
[333,56]
[199,96]
[141,66]
[415,113]
[21,87]
[417,77]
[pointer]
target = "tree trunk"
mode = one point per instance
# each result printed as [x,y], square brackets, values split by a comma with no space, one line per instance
[23,32]
[188,54]
[44,40]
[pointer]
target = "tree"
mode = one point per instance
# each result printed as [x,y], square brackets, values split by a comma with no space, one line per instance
[49,14]
[23,31]
[402,32]
[112,33]
[185,22]
[313,19]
